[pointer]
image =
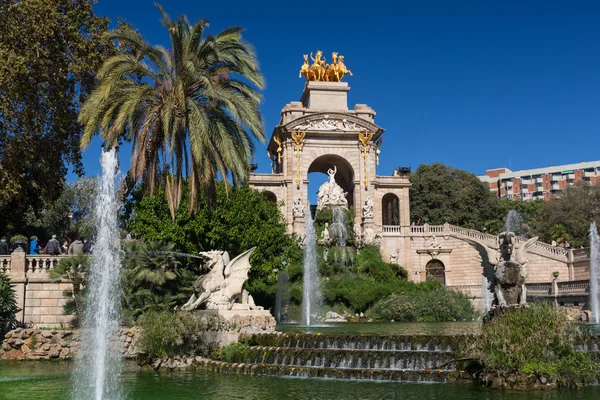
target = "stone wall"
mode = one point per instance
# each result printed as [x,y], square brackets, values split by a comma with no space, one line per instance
[35,344]
[40,299]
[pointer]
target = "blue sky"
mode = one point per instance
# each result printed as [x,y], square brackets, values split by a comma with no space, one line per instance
[473,84]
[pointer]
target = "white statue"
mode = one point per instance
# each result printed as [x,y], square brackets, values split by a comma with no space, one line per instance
[357,231]
[330,193]
[371,237]
[434,244]
[394,257]
[325,237]
[298,208]
[222,286]
[367,210]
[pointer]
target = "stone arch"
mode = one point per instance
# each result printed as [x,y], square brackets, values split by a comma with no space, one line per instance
[435,269]
[269,196]
[390,209]
[344,176]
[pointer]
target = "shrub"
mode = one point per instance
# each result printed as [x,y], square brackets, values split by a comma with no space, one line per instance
[535,340]
[8,305]
[234,352]
[428,301]
[169,334]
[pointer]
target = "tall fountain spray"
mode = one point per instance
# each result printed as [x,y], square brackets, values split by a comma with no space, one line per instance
[339,233]
[311,295]
[98,367]
[594,266]
[514,223]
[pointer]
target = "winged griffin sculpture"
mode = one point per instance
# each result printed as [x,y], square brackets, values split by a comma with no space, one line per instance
[222,287]
[505,267]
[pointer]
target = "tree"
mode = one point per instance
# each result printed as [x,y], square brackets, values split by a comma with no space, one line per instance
[153,278]
[568,215]
[442,194]
[8,304]
[528,210]
[73,269]
[49,53]
[190,111]
[71,214]
[239,220]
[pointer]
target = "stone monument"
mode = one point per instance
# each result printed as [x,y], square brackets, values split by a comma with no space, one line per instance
[220,301]
[505,267]
[330,193]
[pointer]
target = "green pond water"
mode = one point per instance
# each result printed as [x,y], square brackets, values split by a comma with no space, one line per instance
[49,380]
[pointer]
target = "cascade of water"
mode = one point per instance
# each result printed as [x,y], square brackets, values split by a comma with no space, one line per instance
[282,280]
[594,266]
[339,233]
[486,293]
[98,367]
[311,294]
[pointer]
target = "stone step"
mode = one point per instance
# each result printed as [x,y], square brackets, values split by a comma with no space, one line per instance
[358,342]
[348,359]
[338,373]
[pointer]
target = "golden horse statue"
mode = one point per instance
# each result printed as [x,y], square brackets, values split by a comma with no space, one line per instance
[317,67]
[305,69]
[330,68]
[319,71]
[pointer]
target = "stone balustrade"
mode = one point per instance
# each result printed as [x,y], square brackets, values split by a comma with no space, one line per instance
[539,248]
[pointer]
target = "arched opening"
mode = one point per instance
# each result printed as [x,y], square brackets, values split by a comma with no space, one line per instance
[317,175]
[390,209]
[270,196]
[435,269]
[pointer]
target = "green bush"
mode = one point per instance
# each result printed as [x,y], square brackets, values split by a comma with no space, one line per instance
[169,334]
[535,340]
[73,269]
[428,301]
[8,305]
[234,352]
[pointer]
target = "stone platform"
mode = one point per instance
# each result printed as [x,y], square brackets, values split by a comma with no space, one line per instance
[225,326]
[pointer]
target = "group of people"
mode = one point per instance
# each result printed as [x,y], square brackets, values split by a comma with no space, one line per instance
[53,247]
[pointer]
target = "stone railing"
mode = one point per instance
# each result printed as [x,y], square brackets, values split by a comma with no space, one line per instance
[539,248]
[539,288]
[574,287]
[5,264]
[581,253]
[39,264]
[469,290]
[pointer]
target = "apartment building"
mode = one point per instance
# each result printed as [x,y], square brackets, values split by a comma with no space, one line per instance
[539,183]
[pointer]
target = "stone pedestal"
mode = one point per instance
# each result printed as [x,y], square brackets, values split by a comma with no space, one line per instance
[225,326]
[326,95]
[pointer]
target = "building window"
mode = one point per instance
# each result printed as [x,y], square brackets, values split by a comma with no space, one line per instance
[390,209]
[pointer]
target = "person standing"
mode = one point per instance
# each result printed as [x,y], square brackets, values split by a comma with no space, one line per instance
[3,246]
[53,247]
[87,246]
[76,248]
[33,246]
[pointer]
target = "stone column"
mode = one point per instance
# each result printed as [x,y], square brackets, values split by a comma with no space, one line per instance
[18,281]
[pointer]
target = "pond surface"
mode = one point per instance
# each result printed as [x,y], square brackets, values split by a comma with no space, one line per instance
[49,380]
[388,328]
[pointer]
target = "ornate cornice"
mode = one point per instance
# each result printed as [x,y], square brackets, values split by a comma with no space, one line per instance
[332,122]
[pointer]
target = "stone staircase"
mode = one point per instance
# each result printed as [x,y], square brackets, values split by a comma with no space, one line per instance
[381,358]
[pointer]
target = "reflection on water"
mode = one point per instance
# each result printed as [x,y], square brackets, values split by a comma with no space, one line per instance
[388,328]
[49,381]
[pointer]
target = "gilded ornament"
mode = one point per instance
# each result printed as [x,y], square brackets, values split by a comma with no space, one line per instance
[320,71]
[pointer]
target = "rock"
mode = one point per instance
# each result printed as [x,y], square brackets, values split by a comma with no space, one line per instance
[25,349]
[6,346]
[8,335]
[18,343]
[54,351]
[47,334]
[17,334]
[156,364]
[46,346]
[65,353]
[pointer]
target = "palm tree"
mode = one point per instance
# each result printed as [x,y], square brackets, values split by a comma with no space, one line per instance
[190,111]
